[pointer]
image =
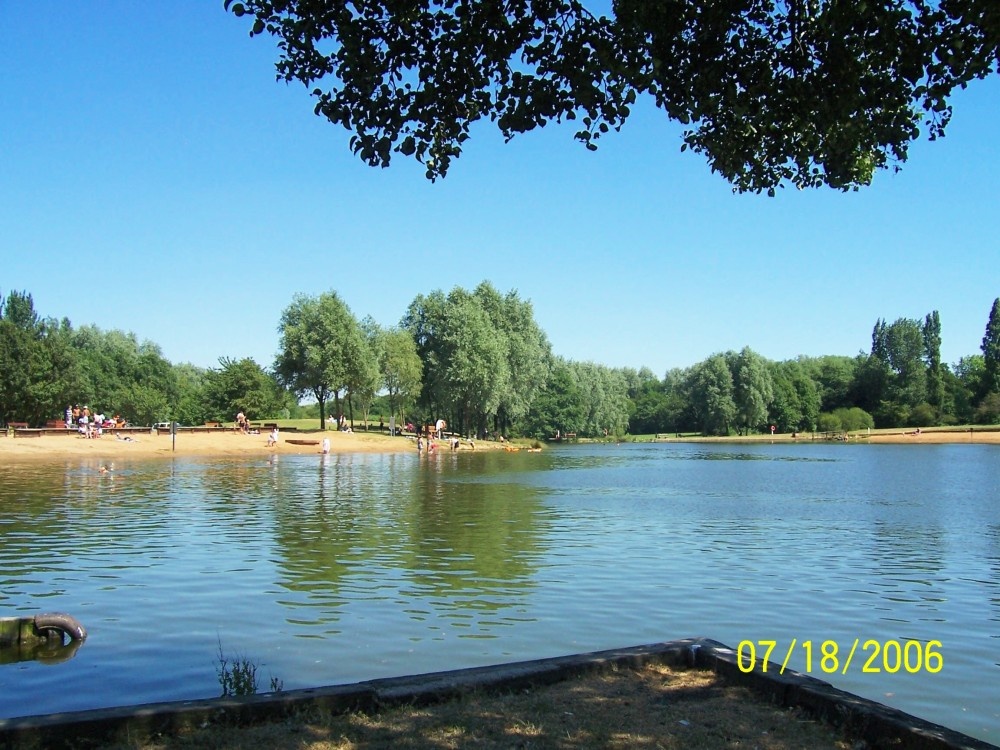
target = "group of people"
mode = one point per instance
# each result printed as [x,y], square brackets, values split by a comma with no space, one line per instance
[453,442]
[341,422]
[90,424]
[244,426]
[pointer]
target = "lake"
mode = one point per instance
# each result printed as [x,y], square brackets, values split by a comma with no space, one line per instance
[334,569]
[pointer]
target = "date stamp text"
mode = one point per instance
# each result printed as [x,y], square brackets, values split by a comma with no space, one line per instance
[830,657]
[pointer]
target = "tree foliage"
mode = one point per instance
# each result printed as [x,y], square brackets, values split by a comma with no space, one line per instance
[773,92]
[480,360]
[711,393]
[991,352]
[118,373]
[559,406]
[753,389]
[484,357]
[37,366]
[932,357]
[400,368]
[604,394]
[241,385]
[320,347]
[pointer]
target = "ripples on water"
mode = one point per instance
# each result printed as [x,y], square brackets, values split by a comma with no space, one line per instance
[341,568]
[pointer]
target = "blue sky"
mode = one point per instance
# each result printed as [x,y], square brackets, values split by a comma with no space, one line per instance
[155,178]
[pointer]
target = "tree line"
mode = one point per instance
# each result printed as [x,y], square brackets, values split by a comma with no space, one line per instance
[479,360]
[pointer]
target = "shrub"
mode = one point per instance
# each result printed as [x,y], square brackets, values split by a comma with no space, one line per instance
[854,418]
[829,423]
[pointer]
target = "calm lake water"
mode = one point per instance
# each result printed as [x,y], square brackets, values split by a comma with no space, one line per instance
[334,569]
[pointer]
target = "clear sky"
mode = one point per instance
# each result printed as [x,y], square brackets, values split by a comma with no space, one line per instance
[155,178]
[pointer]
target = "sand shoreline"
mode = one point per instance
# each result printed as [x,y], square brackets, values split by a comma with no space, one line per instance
[220,444]
[980,435]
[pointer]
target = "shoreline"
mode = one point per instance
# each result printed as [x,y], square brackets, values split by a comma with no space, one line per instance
[145,445]
[983,435]
[234,444]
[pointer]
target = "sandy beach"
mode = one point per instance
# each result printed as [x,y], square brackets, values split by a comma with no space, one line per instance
[984,434]
[227,443]
[231,443]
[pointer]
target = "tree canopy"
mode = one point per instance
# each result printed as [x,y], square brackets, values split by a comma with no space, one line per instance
[321,348]
[772,92]
[991,351]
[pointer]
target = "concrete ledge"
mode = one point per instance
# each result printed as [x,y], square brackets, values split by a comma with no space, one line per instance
[80,729]
[878,726]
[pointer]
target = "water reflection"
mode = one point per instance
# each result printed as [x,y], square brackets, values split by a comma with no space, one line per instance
[382,528]
[44,652]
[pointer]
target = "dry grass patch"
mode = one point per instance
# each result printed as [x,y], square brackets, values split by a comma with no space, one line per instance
[653,707]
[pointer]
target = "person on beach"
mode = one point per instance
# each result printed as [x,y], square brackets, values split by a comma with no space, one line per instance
[241,422]
[326,446]
[272,439]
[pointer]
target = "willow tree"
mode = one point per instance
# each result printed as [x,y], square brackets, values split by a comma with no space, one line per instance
[772,92]
[710,389]
[400,368]
[753,389]
[484,357]
[526,350]
[321,342]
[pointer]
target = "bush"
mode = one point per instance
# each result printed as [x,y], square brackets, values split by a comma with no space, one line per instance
[854,419]
[922,415]
[828,423]
[989,410]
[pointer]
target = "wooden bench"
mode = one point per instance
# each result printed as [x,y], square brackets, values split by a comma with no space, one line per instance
[21,430]
[213,424]
[563,436]
[54,424]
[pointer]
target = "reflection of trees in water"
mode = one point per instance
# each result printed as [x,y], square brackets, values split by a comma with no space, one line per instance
[469,539]
[395,526]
